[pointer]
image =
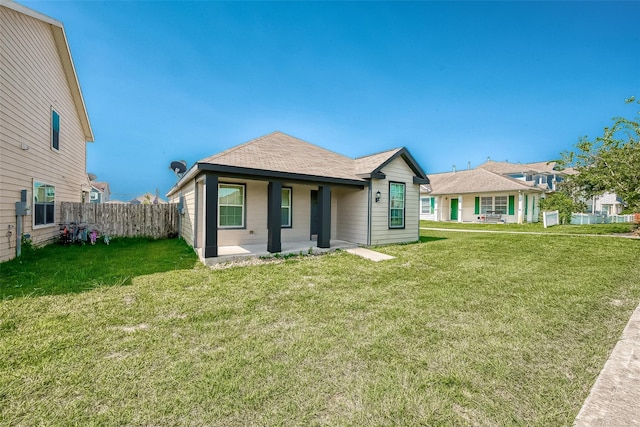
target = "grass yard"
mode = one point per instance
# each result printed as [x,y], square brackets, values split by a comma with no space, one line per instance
[462,328]
[536,227]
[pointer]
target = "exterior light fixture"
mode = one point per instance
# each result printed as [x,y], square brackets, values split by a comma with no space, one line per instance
[378,195]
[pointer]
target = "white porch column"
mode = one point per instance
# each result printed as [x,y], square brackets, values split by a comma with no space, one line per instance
[459,208]
[436,208]
[520,208]
[535,208]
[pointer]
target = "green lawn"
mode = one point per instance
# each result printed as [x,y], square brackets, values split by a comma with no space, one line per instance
[536,227]
[462,328]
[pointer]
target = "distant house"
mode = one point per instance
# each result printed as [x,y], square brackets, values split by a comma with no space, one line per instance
[44,126]
[100,192]
[508,192]
[544,175]
[147,199]
[606,204]
[278,188]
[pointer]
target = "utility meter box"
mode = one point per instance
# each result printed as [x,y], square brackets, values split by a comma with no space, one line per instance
[22,208]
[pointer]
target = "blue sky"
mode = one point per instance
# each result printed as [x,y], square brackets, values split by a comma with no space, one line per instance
[454,82]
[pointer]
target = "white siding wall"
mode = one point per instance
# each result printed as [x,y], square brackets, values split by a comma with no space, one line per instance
[396,171]
[468,206]
[352,216]
[32,81]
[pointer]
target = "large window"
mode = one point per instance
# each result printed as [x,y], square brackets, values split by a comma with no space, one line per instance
[425,205]
[43,204]
[231,205]
[55,130]
[504,205]
[285,209]
[486,204]
[396,205]
[500,204]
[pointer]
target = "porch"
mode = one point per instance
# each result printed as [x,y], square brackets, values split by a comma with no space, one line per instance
[243,252]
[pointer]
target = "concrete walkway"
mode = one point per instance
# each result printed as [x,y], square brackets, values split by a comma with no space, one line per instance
[369,254]
[615,397]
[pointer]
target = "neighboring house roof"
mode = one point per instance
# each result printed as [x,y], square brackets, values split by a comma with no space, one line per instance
[550,167]
[101,186]
[278,155]
[62,47]
[147,198]
[473,181]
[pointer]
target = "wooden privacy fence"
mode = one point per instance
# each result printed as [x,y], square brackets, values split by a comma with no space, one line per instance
[123,220]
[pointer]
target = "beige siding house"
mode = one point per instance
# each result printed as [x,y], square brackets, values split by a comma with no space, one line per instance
[494,191]
[278,188]
[44,126]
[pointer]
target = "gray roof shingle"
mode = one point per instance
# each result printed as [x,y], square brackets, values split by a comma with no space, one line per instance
[474,181]
[278,151]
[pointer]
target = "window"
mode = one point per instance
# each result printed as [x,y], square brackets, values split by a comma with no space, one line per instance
[486,204]
[231,205]
[55,130]
[43,204]
[500,205]
[396,205]
[285,209]
[425,205]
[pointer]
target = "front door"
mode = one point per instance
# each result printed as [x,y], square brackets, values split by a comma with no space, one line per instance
[314,213]
[454,209]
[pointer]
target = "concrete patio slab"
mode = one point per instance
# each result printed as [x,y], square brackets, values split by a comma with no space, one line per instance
[615,397]
[244,252]
[369,254]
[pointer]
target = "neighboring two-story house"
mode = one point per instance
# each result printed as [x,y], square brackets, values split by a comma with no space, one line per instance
[510,192]
[44,126]
[100,192]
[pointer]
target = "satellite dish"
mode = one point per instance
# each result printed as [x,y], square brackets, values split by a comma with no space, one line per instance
[179,167]
[92,176]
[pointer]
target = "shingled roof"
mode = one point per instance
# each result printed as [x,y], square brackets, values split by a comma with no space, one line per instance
[280,152]
[282,156]
[536,167]
[474,181]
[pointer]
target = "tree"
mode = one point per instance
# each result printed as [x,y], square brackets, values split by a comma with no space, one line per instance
[563,203]
[610,163]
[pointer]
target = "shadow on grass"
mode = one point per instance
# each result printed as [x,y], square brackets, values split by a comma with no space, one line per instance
[57,270]
[427,239]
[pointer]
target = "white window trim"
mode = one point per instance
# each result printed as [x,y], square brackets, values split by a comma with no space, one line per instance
[404,205]
[244,203]
[428,205]
[506,205]
[290,207]
[33,205]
